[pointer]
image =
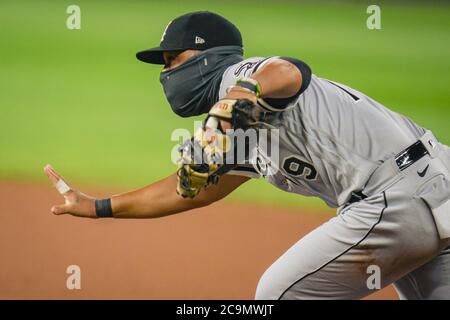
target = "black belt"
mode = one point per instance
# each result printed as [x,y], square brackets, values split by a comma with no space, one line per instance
[404,159]
[410,155]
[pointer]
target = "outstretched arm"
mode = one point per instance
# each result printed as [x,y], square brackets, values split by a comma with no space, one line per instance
[155,200]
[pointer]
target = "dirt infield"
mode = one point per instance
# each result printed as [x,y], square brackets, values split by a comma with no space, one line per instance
[217,252]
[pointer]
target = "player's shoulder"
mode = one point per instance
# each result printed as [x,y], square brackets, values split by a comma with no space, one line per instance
[248,66]
[244,68]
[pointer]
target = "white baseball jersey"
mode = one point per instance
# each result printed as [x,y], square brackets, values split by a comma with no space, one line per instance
[331,138]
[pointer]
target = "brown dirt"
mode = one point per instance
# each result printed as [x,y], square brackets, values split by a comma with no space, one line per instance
[217,252]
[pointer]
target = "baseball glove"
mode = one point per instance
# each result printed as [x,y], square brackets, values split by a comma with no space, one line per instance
[241,113]
[201,161]
[202,157]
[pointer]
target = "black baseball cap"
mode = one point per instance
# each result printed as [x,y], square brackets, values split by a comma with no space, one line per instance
[199,30]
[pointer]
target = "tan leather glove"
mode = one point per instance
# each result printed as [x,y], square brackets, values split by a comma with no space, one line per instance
[201,158]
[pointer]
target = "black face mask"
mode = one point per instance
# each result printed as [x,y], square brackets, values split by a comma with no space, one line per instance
[193,87]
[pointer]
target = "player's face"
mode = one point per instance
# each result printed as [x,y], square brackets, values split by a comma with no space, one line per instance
[174,59]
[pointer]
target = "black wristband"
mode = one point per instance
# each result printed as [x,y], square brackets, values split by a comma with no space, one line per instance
[103,208]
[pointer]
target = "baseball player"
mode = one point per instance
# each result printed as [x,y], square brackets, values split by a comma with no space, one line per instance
[388,177]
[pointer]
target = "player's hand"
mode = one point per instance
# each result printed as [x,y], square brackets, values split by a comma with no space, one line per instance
[76,203]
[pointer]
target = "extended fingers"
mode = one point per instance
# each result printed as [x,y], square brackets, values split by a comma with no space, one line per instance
[56,179]
[52,174]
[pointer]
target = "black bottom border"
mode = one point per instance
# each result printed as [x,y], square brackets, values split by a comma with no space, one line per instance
[221,309]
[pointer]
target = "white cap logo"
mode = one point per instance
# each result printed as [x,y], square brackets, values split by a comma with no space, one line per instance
[199,40]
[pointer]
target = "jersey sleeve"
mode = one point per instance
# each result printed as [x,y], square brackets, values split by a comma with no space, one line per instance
[237,71]
[249,66]
[305,71]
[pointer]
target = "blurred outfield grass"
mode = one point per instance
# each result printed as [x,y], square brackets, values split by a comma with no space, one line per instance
[82,102]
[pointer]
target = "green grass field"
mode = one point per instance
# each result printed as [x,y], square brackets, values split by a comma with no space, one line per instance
[79,99]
